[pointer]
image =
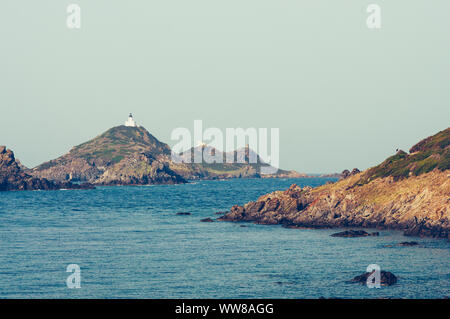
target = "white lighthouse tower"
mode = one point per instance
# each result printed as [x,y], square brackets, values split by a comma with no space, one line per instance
[131,122]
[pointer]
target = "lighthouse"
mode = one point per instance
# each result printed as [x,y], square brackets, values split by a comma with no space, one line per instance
[131,122]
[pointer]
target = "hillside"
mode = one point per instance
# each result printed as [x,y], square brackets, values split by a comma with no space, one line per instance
[409,192]
[108,159]
[119,142]
[427,155]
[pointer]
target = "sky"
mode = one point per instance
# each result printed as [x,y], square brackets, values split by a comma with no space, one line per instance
[341,94]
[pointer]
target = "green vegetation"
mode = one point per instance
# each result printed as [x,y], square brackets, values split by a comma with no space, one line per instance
[117,159]
[427,155]
[119,142]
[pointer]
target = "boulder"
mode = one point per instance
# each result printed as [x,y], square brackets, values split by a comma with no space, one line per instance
[345,173]
[387,278]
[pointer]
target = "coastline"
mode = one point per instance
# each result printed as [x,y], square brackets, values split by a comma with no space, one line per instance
[418,206]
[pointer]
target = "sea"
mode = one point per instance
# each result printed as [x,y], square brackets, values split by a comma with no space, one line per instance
[129,242]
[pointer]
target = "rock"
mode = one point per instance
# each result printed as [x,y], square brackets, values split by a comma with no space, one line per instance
[414,199]
[408,243]
[183,214]
[345,173]
[387,278]
[207,220]
[246,164]
[13,177]
[351,233]
[139,169]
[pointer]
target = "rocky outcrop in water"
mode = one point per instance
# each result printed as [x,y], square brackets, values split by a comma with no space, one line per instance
[386,278]
[246,163]
[132,156]
[418,205]
[409,193]
[13,177]
[120,156]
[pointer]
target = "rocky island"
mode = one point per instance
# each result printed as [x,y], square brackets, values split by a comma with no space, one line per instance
[129,155]
[241,167]
[122,155]
[408,191]
[14,178]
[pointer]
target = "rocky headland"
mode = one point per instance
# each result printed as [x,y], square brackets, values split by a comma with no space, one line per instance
[14,178]
[409,192]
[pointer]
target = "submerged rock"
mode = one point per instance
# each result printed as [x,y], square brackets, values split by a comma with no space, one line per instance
[351,233]
[207,220]
[183,214]
[409,243]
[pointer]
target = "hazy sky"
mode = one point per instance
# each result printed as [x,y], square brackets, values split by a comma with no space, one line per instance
[342,95]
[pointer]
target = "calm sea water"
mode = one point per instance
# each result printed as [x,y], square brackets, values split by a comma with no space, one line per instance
[130,243]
